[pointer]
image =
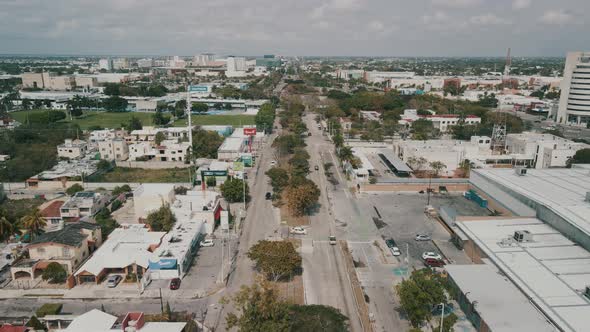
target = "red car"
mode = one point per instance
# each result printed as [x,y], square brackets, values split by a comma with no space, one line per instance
[433,262]
[175,283]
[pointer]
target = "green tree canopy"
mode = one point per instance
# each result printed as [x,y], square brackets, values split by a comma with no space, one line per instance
[54,273]
[73,189]
[199,107]
[277,260]
[233,190]
[115,104]
[419,294]
[582,156]
[162,219]
[279,178]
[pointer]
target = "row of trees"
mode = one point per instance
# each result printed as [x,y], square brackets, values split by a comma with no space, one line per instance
[153,90]
[419,163]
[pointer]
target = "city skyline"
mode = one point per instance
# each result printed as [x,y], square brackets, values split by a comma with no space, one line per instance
[326,28]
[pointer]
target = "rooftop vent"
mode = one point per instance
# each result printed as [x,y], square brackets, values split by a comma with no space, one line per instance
[523,236]
[520,171]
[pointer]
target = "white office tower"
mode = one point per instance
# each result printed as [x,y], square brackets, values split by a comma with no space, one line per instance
[106,64]
[574,104]
[145,63]
[120,63]
[204,59]
[176,62]
[236,67]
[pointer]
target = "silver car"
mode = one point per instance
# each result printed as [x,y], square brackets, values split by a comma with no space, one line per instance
[113,281]
[422,237]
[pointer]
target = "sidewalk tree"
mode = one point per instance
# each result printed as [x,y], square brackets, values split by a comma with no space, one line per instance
[277,260]
[75,188]
[419,294]
[161,220]
[54,273]
[233,190]
[265,117]
[279,178]
[582,156]
[302,196]
[299,163]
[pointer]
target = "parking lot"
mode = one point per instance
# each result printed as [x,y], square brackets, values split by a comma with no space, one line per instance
[401,216]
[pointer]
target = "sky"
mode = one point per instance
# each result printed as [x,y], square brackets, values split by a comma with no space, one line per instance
[295,27]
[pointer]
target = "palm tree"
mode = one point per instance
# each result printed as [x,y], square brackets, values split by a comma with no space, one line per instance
[346,153]
[33,223]
[6,228]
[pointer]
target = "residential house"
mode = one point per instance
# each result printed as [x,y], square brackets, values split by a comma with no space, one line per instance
[113,149]
[72,149]
[83,204]
[52,215]
[98,321]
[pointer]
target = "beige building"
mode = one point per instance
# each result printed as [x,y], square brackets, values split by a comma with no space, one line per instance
[72,149]
[48,80]
[113,149]
[69,247]
[86,82]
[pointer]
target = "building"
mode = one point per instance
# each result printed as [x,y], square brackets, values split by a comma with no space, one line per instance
[83,204]
[574,103]
[106,134]
[8,123]
[441,122]
[203,59]
[126,251]
[236,67]
[545,150]
[98,321]
[167,150]
[69,246]
[145,63]
[64,174]
[105,64]
[149,197]
[52,216]
[72,149]
[113,149]
[49,81]
[86,82]
[268,61]
[384,76]
[120,63]
[492,303]
[452,83]
[347,74]
[14,328]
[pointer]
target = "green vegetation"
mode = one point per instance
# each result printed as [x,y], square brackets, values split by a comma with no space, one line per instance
[115,104]
[73,189]
[121,190]
[206,143]
[581,157]
[54,273]
[49,309]
[265,117]
[106,222]
[279,179]
[303,194]
[124,174]
[233,190]
[142,90]
[217,120]
[90,119]
[33,223]
[36,324]
[277,260]
[162,219]
[419,295]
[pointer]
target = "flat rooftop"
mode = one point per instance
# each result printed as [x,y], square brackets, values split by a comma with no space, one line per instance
[500,304]
[561,190]
[550,270]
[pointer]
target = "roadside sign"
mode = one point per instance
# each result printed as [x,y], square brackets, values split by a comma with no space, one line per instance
[250,131]
[198,88]
[213,173]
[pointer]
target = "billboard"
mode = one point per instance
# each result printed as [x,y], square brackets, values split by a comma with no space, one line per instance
[250,131]
[198,88]
[213,173]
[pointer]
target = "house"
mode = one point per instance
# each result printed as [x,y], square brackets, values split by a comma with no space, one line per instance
[83,204]
[68,246]
[98,321]
[442,122]
[345,124]
[8,123]
[106,134]
[126,251]
[113,149]
[51,213]
[72,149]
[14,328]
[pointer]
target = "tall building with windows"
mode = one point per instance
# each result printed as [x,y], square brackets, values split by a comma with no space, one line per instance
[574,105]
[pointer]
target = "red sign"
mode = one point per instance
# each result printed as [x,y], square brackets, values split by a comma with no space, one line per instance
[250,131]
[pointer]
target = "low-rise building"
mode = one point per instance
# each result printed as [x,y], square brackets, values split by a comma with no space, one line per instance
[72,149]
[113,149]
[442,122]
[83,204]
[52,216]
[545,150]
[8,123]
[98,321]
[64,174]
[69,247]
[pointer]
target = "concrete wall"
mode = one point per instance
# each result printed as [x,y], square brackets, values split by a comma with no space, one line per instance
[504,197]
[413,187]
[152,164]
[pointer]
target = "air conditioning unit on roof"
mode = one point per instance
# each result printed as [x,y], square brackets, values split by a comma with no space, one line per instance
[520,171]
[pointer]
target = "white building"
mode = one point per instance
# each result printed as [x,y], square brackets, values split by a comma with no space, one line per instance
[176,62]
[545,150]
[106,64]
[168,150]
[83,204]
[382,76]
[347,74]
[574,103]
[106,134]
[442,122]
[236,67]
[145,63]
[98,321]
[203,59]
[72,149]
[120,63]
[113,149]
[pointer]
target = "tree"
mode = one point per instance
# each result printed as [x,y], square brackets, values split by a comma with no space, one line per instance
[265,117]
[279,179]
[33,223]
[159,119]
[199,107]
[206,143]
[122,189]
[36,324]
[259,309]
[345,153]
[422,129]
[437,167]
[419,294]
[306,318]
[54,273]
[417,164]
[161,220]
[134,123]
[299,163]
[115,104]
[582,156]
[448,323]
[277,260]
[302,196]
[233,190]
[103,166]
[73,189]
[180,108]
[160,137]
[6,228]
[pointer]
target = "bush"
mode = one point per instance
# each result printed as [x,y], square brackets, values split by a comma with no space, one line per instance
[122,189]
[55,273]
[49,309]
[75,188]
[180,190]
[116,205]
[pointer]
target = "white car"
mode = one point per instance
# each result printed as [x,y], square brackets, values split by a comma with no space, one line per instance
[207,243]
[272,163]
[395,251]
[422,237]
[113,281]
[298,230]
[430,254]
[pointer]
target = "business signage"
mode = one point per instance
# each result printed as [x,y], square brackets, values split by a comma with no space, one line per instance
[198,88]
[213,173]
[250,131]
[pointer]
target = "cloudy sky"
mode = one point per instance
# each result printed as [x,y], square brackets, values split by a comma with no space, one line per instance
[295,27]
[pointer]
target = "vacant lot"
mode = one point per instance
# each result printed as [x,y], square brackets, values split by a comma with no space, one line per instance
[123,174]
[18,208]
[94,118]
[220,120]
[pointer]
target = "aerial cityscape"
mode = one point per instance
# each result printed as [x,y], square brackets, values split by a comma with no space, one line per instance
[339,165]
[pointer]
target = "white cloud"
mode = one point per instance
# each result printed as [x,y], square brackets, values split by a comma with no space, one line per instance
[488,19]
[558,16]
[457,3]
[334,5]
[437,17]
[521,4]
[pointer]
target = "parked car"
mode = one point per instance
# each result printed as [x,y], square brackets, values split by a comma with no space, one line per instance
[393,247]
[332,240]
[422,237]
[175,283]
[113,281]
[430,254]
[308,134]
[268,196]
[207,243]
[431,262]
[272,163]
[317,168]
[298,230]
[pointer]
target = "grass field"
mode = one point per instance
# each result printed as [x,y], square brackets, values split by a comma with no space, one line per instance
[211,120]
[123,174]
[93,118]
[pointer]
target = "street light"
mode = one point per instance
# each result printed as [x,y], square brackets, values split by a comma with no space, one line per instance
[442,316]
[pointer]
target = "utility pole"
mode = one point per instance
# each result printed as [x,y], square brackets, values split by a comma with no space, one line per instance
[428,190]
[442,316]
